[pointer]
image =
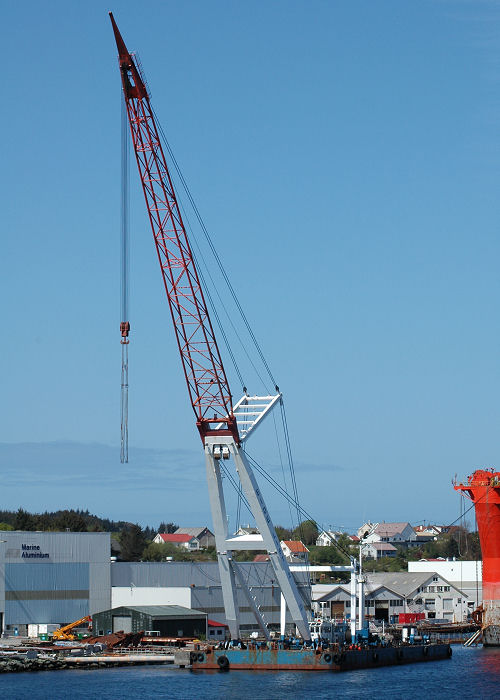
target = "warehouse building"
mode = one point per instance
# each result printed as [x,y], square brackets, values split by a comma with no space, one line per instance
[162,620]
[388,594]
[197,585]
[52,577]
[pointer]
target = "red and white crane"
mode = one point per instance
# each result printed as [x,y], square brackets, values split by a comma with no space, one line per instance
[222,428]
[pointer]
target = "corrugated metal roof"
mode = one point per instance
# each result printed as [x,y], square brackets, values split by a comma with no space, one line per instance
[199,574]
[401,583]
[163,610]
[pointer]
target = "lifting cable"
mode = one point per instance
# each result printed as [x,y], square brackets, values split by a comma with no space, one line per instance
[214,250]
[201,264]
[237,487]
[282,466]
[290,499]
[206,291]
[124,270]
[291,465]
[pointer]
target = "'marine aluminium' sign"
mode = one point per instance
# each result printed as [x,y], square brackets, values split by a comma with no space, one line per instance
[32,551]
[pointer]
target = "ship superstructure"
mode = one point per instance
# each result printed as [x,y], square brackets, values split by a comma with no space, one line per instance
[483,489]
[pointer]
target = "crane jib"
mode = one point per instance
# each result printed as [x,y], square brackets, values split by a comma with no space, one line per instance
[206,379]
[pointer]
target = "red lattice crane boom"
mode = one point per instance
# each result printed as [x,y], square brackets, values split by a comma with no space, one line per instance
[205,375]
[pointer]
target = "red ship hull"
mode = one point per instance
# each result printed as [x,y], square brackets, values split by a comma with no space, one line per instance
[483,488]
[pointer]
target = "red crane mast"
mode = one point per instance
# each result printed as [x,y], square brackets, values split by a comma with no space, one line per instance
[206,379]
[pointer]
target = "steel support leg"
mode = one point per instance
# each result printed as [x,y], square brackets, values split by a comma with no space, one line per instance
[219,518]
[353,602]
[270,541]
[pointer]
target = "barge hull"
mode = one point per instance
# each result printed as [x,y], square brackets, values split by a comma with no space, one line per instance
[310,660]
[491,636]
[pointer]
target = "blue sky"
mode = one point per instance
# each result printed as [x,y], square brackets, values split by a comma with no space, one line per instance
[345,158]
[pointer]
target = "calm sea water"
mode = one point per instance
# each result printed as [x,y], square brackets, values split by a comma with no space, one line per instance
[471,673]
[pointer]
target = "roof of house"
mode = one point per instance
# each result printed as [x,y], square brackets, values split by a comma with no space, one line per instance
[389,529]
[427,528]
[382,546]
[176,537]
[296,547]
[193,531]
[436,559]
[401,583]
[214,623]
[354,538]
[248,530]
[262,557]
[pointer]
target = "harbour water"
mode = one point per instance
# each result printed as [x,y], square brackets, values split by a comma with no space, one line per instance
[472,673]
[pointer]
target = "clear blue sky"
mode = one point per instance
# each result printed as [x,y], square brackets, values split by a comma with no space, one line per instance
[345,157]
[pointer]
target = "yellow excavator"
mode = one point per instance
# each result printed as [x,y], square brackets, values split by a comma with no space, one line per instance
[64,633]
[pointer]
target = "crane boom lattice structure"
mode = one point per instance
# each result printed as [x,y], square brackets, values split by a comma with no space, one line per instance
[206,379]
[205,376]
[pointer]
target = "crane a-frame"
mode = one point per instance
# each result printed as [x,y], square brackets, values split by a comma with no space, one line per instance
[222,428]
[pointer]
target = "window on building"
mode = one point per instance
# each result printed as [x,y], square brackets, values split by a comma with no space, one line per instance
[435,578]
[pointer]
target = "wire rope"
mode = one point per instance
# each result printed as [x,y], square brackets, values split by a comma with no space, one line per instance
[287,496]
[282,465]
[291,465]
[214,250]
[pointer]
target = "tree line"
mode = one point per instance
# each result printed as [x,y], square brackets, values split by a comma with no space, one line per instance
[131,542]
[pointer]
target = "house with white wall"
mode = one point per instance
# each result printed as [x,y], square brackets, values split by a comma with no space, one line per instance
[377,550]
[467,576]
[401,533]
[327,537]
[389,594]
[205,537]
[294,551]
[188,542]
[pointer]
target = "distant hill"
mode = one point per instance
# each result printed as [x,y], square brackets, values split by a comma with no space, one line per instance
[63,520]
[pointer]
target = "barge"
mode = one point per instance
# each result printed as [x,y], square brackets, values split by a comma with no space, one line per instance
[276,658]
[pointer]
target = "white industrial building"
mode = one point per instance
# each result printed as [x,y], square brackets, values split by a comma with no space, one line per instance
[197,585]
[389,594]
[464,575]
